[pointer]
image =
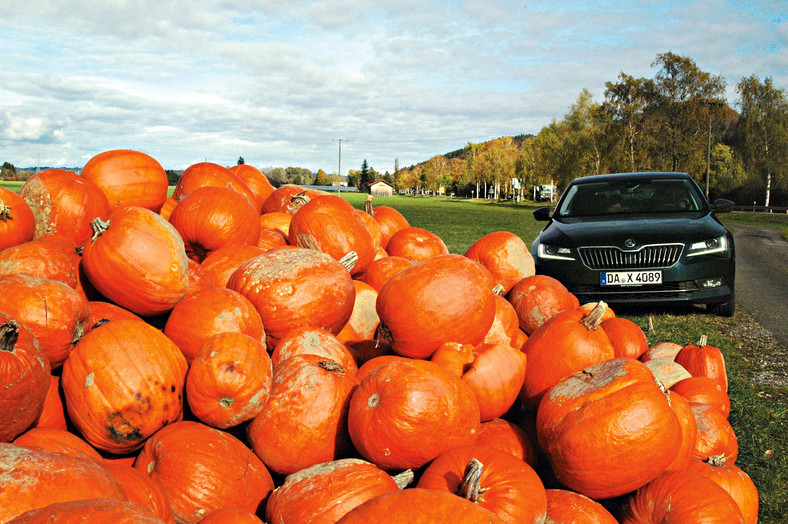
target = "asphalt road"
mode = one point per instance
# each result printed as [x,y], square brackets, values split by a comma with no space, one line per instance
[762,277]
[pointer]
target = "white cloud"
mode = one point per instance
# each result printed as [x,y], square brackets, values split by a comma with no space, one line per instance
[279,82]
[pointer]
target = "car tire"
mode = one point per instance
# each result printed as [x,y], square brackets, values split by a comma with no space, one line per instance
[725,309]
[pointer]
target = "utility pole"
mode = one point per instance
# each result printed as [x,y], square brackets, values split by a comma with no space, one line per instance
[710,104]
[339,165]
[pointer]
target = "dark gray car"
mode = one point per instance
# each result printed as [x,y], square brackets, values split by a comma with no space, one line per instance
[642,238]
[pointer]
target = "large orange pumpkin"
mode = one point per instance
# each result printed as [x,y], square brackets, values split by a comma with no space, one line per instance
[329,224]
[382,269]
[95,511]
[140,489]
[305,420]
[209,174]
[390,221]
[137,260]
[626,337]
[221,263]
[607,430]
[716,437]
[17,224]
[296,287]
[122,383]
[128,178]
[406,412]
[64,203]
[57,441]
[495,376]
[202,469]
[40,258]
[444,299]
[539,297]
[314,341]
[732,479]
[210,218]
[326,492]
[505,255]
[254,178]
[569,507]
[415,244]
[24,373]
[281,199]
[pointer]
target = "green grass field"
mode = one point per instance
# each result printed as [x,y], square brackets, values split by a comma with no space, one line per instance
[759,407]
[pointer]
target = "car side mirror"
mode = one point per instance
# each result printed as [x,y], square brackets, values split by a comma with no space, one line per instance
[722,205]
[542,214]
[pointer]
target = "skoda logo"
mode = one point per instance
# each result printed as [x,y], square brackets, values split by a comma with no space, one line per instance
[629,243]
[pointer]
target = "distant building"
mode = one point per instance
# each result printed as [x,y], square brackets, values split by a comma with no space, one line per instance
[381,188]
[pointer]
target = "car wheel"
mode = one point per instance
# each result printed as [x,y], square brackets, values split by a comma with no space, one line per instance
[725,309]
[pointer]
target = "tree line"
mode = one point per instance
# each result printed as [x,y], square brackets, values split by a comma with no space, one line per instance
[678,120]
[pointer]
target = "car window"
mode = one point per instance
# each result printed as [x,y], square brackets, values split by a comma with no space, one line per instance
[630,196]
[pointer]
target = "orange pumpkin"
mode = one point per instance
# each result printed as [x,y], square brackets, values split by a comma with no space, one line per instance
[495,376]
[305,420]
[689,430]
[57,441]
[568,507]
[705,390]
[626,337]
[128,178]
[140,489]
[381,270]
[732,479]
[364,321]
[95,511]
[716,437]
[415,244]
[278,220]
[53,414]
[608,429]
[390,221]
[231,515]
[39,258]
[117,406]
[209,174]
[444,299]
[17,224]
[509,437]
[24,373]
[314,341]
[281,199]
[505,328]
[505,255]
[539,297]
[271,239]
[223,262]
[258,183]
[138,261]
[406,412]
[703,360]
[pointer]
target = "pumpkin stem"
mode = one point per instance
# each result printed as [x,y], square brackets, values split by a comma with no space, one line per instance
[384,333]
[99,227]
[403,479]
[704,340]
[79,332]
[368,205]
[498,290]
[333,367]
[717,460]
[9,333]
[226,402]
[349,260]
[298,200]
[5,212]
[592,320]
[470,487]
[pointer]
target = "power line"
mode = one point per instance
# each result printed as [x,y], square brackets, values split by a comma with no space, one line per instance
[415,140]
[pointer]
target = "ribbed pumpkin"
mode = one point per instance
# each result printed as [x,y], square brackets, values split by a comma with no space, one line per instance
[209,312]
[209,174]
[209,218]
[406,412]
[296,287]
[39,258]
[415,244]
[17,224]
[681,496]
[95,511]
[411,505]
[34,478]
[390,221]
[117,405]
[703,360]
[305,420]
[24,373]
[505,255]
[444,299]
[314,341]
[329,224]
[128,178]
[325,492]
[490,478]
[569,507]
[257,182]
[626,337]
[607,430]
[53,312]
[732,479]
[567,343]
[140,489]
[201,469]
[537,298]
[381,270]
[64,203]
[137,260]
[229,380]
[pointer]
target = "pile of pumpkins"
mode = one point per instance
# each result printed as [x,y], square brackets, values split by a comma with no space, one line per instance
[241,353]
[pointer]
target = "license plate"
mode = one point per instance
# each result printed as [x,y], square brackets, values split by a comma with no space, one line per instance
[631,278]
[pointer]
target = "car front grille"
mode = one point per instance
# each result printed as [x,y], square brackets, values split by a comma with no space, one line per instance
[658,256]
[668,290]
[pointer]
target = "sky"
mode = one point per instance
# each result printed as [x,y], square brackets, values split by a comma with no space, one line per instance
[288,83]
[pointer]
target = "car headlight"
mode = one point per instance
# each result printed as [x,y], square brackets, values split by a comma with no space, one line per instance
[707,247]
[552,252]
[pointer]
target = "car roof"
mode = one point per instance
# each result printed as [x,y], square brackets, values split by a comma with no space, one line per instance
[629,176]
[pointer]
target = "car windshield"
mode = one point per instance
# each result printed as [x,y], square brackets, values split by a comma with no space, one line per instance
[630,196]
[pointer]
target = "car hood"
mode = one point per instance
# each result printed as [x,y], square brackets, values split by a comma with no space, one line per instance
[645,229]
